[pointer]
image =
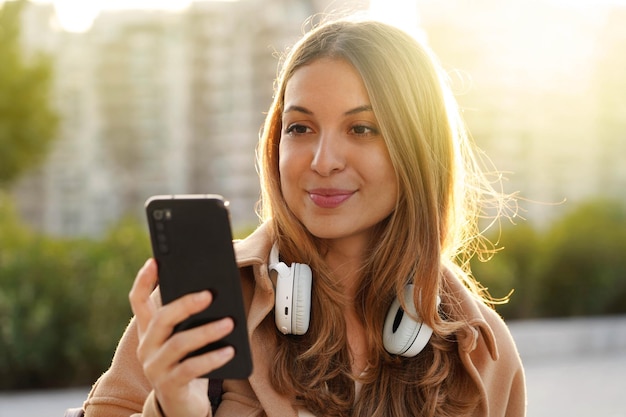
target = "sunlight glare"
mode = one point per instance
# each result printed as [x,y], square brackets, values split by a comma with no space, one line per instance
[400,13]
[76,15]
[171,5]
[79,15]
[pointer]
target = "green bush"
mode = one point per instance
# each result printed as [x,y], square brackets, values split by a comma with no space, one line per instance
[512,270]
[585,270]
[63,302]
[576,267]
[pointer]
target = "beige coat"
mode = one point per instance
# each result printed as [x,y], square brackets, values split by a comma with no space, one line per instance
[487,351]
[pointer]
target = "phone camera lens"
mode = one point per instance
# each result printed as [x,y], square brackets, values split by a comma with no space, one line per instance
[157,214]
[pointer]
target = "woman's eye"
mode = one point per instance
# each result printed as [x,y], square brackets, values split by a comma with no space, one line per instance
[297,129]
[362,130]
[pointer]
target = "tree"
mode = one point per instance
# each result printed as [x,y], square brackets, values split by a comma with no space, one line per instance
[28,123]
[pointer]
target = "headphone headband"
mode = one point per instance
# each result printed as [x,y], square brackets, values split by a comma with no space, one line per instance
[275,264]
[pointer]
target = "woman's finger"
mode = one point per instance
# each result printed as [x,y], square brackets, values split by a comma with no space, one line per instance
[197,366]
[168,359]
[165,319]
[181,344]
[139,296]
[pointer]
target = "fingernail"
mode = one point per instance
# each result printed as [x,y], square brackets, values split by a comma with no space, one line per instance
[225,323]
[227,352]
[201,296]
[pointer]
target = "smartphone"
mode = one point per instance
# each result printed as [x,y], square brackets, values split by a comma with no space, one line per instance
[192,243]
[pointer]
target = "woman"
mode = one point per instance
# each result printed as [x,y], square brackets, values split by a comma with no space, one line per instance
[367,177]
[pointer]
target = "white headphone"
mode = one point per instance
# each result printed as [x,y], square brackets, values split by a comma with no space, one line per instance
[292,311]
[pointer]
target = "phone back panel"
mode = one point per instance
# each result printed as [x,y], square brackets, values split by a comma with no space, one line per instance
[192,244]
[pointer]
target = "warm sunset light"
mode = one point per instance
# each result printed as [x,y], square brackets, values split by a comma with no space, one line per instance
[105,103]
[78,15]
[400,13]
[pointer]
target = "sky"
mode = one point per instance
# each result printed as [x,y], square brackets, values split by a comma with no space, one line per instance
[78,15]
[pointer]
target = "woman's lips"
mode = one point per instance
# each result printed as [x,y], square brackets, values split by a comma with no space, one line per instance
[329,198]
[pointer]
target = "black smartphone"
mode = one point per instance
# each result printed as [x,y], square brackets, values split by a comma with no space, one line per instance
[192,243]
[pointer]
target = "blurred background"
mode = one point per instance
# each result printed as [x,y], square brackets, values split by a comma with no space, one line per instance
[103,104]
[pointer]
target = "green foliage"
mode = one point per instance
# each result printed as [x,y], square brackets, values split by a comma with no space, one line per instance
[576,267]
[512,268]
[585,273]
[27,122]
[63,302]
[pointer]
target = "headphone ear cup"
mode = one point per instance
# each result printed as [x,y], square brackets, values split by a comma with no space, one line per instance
[301,309]
[401,334]
[292,305]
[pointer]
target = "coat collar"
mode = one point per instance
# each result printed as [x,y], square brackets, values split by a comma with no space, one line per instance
[472,311]
[254,249]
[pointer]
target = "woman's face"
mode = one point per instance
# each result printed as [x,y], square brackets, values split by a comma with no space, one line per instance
[335,170]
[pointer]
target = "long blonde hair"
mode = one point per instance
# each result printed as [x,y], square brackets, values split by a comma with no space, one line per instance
[435,222]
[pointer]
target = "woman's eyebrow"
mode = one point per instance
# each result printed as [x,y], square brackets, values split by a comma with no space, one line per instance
[299,109]
[359,109]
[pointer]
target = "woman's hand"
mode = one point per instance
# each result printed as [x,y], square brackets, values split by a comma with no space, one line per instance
[177,386]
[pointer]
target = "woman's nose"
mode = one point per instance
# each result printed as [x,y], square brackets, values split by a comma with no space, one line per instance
[329,155]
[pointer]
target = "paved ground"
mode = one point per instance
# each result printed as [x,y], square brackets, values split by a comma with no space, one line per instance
[574,368]
[40,403]
[586,386]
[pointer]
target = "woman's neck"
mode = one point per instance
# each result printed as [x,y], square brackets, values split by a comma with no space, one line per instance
[345,259]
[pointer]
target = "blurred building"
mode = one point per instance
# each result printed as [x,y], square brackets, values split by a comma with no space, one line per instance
[543,91]
[156,102]
[610,89]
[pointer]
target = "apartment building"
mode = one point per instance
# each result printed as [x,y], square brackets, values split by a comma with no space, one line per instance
[156,102]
